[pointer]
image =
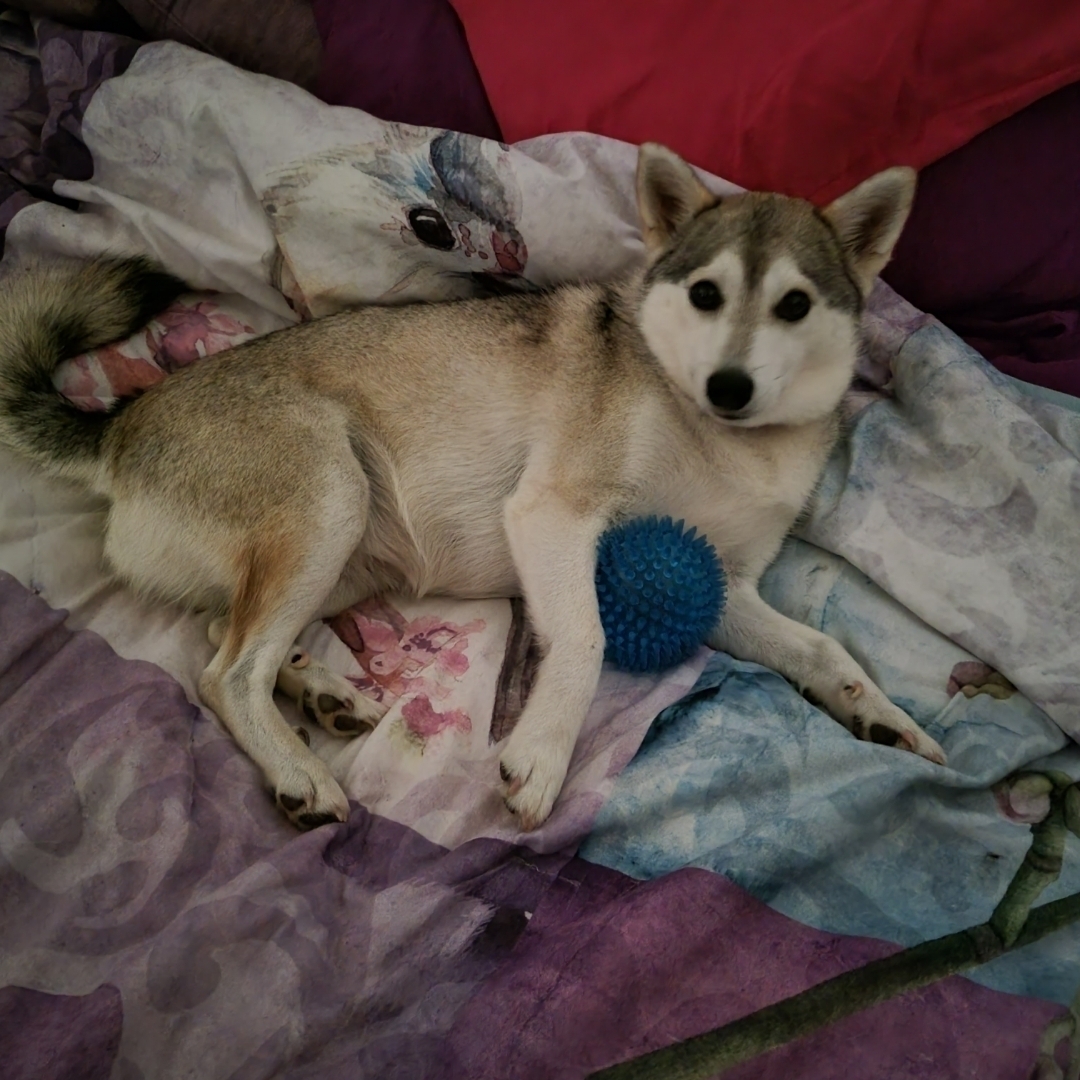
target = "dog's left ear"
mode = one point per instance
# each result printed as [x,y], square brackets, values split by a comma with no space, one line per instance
[669,194]
[869,220]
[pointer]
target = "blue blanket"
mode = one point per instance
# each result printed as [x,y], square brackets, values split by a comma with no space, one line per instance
[745,778]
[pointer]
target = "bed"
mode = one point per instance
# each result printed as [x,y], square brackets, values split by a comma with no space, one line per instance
[729,880]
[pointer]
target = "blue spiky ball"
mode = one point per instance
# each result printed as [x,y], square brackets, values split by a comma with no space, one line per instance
[661,590]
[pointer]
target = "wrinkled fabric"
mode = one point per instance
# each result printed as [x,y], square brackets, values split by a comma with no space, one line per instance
[158,918]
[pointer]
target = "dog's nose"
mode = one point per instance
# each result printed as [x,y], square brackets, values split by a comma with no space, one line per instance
[730,390]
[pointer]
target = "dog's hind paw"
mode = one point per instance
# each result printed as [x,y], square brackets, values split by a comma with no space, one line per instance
[532,779]
[308,795]
[326,698]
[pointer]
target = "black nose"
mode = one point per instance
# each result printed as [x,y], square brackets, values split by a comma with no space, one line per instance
[730,390]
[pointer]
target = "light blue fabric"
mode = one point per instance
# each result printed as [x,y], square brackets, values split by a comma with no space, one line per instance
[1044,393]
[746,778]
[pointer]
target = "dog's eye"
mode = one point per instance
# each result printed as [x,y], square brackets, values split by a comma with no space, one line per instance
[705,296]
[793,306]
[430,228]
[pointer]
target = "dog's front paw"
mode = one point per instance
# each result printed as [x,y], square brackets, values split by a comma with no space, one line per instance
[326,698]
[871,716]
[308,794]
[532,778]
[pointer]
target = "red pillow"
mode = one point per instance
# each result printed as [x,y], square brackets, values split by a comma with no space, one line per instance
[806,97]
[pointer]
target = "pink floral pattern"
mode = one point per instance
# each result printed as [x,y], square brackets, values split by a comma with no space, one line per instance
[192,328]
[420,659]
[1024,797]
[971,677]
[425,655]
[422,719]
[183,334]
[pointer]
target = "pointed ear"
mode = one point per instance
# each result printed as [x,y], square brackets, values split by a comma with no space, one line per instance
[869,220]
[669,194]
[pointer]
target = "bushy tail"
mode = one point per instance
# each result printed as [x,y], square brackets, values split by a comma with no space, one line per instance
[49,314]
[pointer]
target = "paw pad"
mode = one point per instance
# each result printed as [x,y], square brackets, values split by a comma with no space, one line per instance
[884,736]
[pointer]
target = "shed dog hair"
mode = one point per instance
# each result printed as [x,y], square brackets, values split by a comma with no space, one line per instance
[477,449]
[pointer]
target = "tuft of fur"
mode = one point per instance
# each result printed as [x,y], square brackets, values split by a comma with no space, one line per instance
[54,312]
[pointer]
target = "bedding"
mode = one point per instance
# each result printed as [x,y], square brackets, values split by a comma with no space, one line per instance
[990,248]
[403,60]
[273,37]
[807,98]
[720,845]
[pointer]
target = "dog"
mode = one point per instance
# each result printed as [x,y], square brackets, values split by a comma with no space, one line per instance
[287,479]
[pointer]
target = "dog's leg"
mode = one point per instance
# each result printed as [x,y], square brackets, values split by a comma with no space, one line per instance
[554,552]
[323,696]
[822,670]
[282,586]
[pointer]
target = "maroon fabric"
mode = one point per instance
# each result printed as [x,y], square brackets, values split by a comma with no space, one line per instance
[402,60]
[106,15]
[272,37]
[992,247]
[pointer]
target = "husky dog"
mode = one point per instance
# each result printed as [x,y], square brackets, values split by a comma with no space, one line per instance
[284,480]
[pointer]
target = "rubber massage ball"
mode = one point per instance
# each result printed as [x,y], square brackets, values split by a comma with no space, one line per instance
[661,590]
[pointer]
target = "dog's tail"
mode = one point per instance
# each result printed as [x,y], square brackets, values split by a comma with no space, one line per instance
[51,313]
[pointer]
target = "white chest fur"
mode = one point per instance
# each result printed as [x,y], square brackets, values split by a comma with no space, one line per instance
[746,489]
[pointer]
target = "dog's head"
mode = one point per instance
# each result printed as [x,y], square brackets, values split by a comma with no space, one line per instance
[752,302]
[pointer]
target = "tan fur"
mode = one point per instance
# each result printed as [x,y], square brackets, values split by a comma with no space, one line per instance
[264,567]
[480,449]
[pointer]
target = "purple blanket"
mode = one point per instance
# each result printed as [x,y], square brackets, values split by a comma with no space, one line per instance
[157,919]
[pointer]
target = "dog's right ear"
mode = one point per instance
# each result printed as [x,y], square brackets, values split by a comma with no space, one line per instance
[669,194]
